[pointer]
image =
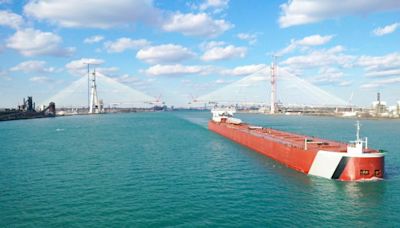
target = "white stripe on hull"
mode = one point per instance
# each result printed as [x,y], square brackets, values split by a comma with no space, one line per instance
[325,163]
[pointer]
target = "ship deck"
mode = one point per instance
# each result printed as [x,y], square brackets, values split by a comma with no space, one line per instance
[293,139]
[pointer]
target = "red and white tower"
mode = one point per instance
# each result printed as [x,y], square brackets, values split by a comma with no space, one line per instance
[94,106]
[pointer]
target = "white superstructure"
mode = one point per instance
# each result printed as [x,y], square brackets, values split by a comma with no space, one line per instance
[224,115]
[357,146]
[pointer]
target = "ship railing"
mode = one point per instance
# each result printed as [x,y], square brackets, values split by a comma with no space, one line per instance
[310,141]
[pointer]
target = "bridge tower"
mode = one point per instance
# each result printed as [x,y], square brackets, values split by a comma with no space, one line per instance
[94,106]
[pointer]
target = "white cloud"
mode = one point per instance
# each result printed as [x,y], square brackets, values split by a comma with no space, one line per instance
[386,30]
[175,70]
[216,4]
[223,53]
[31,42]
[79,67]
[329,61]
[40,79]
[320,58]
[93,13]
[10,19]
[291,47]
[128,79]
[298,12]
[93,39]
[383,73]
[313,40]
[196,25]
[245,70]
[378,66]
[124,43]
[220,81]
[330,76]
[251,38]
[380,62]
[380,83]
[33,66]
[167,53]
[4,75]
[107,70]
[135,81]
[345,83]
[208,45]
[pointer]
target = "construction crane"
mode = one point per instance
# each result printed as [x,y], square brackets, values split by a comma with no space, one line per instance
[157,102]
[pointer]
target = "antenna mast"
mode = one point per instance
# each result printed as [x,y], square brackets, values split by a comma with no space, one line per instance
[273,84]
[358,131]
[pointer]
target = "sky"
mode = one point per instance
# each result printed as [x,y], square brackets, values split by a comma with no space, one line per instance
[179,50]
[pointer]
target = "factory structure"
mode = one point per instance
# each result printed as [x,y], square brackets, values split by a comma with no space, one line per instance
[381,109]
[28,111]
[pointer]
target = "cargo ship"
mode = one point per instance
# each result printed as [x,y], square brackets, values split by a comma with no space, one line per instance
[352,161]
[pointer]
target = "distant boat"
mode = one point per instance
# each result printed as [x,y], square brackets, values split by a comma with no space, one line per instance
[349,114]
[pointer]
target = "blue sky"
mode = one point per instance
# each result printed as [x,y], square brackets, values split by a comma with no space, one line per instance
[182,49]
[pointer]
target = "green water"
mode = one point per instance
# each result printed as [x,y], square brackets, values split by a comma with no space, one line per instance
[167,169]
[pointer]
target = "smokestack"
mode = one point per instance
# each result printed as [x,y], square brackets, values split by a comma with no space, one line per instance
[30,104]
[378,97]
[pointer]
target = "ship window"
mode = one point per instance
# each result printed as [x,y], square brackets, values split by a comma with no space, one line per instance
[364,172]
[377,172]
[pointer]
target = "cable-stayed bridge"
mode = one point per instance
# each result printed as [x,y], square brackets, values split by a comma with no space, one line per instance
[256,89]
[112,92]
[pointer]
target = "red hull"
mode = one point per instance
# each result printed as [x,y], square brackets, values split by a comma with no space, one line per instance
[326,159]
